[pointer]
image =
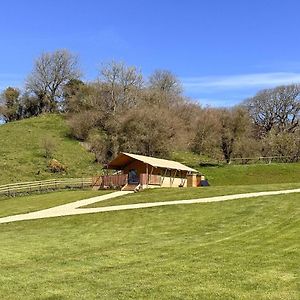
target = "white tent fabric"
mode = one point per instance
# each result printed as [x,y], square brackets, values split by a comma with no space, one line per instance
[161,163]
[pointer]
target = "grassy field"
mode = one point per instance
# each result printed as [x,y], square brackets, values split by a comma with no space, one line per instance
[231,250]
[166,194]
[241,249]
[22,155]
[252,174]
[242,174]
[21,205]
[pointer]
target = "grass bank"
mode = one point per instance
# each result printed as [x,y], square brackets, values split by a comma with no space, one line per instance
[21,153]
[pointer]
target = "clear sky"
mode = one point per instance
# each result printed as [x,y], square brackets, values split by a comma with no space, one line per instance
[223,51]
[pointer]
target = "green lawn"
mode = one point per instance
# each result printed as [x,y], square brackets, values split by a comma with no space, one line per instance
[25,204]
[241,249]
[242,174]
[21,154]
[166,194]
[252,174]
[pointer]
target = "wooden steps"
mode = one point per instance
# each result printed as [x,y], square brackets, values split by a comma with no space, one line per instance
[131,187]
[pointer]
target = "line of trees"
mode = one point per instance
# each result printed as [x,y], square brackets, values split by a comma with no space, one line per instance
[124,111]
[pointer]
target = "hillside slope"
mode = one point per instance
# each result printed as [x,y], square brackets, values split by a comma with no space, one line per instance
[21,153]
[21,157]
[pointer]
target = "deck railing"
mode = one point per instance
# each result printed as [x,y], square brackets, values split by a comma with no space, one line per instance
[116,180]
[150,179]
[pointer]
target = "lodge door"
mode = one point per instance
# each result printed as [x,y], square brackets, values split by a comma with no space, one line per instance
[133,177]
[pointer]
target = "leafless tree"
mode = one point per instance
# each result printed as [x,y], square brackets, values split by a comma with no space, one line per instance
[234,126]
[165,81]
[277,109]
[122,83]
[51,72]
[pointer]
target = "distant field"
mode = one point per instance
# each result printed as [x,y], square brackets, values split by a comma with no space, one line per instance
[242,174]
[241,249]
[253,174]
[21,154]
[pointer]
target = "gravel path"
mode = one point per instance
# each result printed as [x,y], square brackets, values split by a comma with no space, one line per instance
[74,207]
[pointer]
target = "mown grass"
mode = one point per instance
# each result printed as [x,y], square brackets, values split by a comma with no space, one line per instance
[241,249]
[21,153]
[25,204]
[253,174]
[222,174]
[169,194]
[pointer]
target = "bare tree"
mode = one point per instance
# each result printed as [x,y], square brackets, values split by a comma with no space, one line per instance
[165,81]
[51,72]
[207,132]
[122,84]
[277,109]
[152,131]
[235,126]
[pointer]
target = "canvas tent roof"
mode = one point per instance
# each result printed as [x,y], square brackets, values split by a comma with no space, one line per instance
[124,159]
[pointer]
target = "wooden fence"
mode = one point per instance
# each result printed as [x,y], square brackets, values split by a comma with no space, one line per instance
[44,185]
[264,159]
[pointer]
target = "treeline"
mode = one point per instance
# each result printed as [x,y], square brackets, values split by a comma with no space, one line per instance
[124,111]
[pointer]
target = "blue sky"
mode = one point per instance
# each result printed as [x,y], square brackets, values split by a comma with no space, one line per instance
[223,51]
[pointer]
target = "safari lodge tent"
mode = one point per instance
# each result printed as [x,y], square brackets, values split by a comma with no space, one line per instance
[138,171]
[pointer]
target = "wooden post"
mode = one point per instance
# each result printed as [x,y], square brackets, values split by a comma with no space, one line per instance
[164,175]
[173,178]
[151,173]
[147,173]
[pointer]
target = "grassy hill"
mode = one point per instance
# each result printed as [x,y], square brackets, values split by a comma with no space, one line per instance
[21,157]
[21,153]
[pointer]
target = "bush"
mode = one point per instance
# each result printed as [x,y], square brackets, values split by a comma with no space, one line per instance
[56,167]
[285,144]
[81,124]
[98,146]
[48,146]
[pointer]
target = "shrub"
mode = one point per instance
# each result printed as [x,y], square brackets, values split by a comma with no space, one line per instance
[56,167]
[48,146]
[81,124]
[98,146]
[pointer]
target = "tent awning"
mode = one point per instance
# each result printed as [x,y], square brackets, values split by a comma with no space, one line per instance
[123,159]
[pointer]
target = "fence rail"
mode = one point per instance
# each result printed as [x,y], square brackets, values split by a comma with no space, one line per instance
[264,159]
[13,189]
